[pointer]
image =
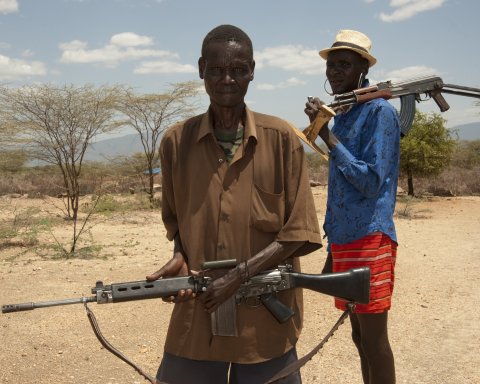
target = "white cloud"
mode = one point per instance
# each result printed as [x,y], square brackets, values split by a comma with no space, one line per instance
[291,82]
[8,6]
[291,58]
[12,69]
[406,9]
[27,53]
[130,39]
[123,47]
[148,67]
[411,72]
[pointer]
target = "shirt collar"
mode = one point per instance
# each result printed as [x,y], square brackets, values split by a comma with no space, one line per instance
[206,125]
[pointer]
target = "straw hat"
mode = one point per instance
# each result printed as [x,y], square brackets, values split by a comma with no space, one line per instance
[353,41]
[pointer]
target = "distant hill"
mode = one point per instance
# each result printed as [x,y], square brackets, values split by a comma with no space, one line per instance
[468,131]
[129,144]
[118,146]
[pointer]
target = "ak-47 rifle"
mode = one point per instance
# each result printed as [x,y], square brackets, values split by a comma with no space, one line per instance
[409,92]
[353,285]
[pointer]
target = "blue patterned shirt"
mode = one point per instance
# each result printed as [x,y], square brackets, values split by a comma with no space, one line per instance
[363,172]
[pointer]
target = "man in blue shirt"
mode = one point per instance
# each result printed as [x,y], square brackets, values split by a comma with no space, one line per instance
[362,184]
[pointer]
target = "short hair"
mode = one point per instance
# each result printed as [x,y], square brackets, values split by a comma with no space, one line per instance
[226,33]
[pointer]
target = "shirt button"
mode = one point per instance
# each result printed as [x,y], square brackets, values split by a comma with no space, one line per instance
[220,161]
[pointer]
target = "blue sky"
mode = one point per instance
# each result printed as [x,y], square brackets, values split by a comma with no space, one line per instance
[149,44]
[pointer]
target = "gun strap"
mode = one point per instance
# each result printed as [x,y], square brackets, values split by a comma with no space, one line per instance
[288,370]
[296,365]
[112,349]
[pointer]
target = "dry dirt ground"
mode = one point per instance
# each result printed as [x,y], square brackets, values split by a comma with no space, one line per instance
[434,322]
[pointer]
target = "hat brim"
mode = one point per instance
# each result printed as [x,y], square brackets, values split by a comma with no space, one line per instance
[371,60]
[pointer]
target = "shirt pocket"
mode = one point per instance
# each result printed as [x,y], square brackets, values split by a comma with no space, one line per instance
[267,210]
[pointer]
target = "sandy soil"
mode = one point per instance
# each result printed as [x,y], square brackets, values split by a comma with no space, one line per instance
[434,322]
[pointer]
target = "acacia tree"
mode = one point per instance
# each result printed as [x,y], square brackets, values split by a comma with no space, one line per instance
[150,114]
[57,124]
[427,149]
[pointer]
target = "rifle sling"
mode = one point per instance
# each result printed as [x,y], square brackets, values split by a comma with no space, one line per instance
[112,349]
[288,370]
[296,365]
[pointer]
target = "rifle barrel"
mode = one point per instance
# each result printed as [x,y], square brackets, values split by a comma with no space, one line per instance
[7,308]
[461,90]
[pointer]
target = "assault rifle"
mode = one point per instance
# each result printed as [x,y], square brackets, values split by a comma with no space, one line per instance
[409,92]
[353,285]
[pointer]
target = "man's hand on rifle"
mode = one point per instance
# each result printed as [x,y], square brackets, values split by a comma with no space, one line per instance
[175,267]
[312,108]
[221,288]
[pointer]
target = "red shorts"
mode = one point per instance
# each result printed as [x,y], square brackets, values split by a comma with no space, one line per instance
[378,252]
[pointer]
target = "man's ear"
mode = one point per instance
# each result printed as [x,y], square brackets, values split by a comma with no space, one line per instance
[201,67]
[253,70]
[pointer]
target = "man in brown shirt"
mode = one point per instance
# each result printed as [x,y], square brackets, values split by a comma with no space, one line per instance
[235,186]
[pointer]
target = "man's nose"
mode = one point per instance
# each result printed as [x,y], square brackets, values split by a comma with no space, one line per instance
[227,76]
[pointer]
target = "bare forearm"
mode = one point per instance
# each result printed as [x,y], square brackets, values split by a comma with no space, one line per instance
[225,286]
[274,254]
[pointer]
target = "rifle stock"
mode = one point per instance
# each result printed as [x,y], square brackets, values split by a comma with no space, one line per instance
[352,285]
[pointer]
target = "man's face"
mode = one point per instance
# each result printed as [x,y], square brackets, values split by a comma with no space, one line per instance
[227,69]
[344,68]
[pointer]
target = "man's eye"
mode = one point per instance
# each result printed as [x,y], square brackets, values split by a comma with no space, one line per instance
[239,70]
[342,65]
[215,70]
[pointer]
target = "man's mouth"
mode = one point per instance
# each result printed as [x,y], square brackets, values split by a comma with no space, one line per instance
[227,91]
[336,85]
[335,82]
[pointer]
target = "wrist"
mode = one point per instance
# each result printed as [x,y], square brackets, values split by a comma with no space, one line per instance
[242,272]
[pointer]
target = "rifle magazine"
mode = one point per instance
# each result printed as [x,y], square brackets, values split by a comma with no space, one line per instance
[224,319]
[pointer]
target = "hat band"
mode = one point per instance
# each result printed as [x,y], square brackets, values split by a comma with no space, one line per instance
[345,44]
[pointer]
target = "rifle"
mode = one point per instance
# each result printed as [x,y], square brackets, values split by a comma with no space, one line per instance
[409,92]
[353,285]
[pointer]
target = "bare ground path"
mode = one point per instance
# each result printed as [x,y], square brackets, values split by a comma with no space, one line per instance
[434,322]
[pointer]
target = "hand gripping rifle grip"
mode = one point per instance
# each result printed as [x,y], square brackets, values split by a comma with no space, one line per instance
[325,113]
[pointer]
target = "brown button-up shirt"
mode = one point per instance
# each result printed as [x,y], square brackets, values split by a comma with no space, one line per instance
[232,211]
